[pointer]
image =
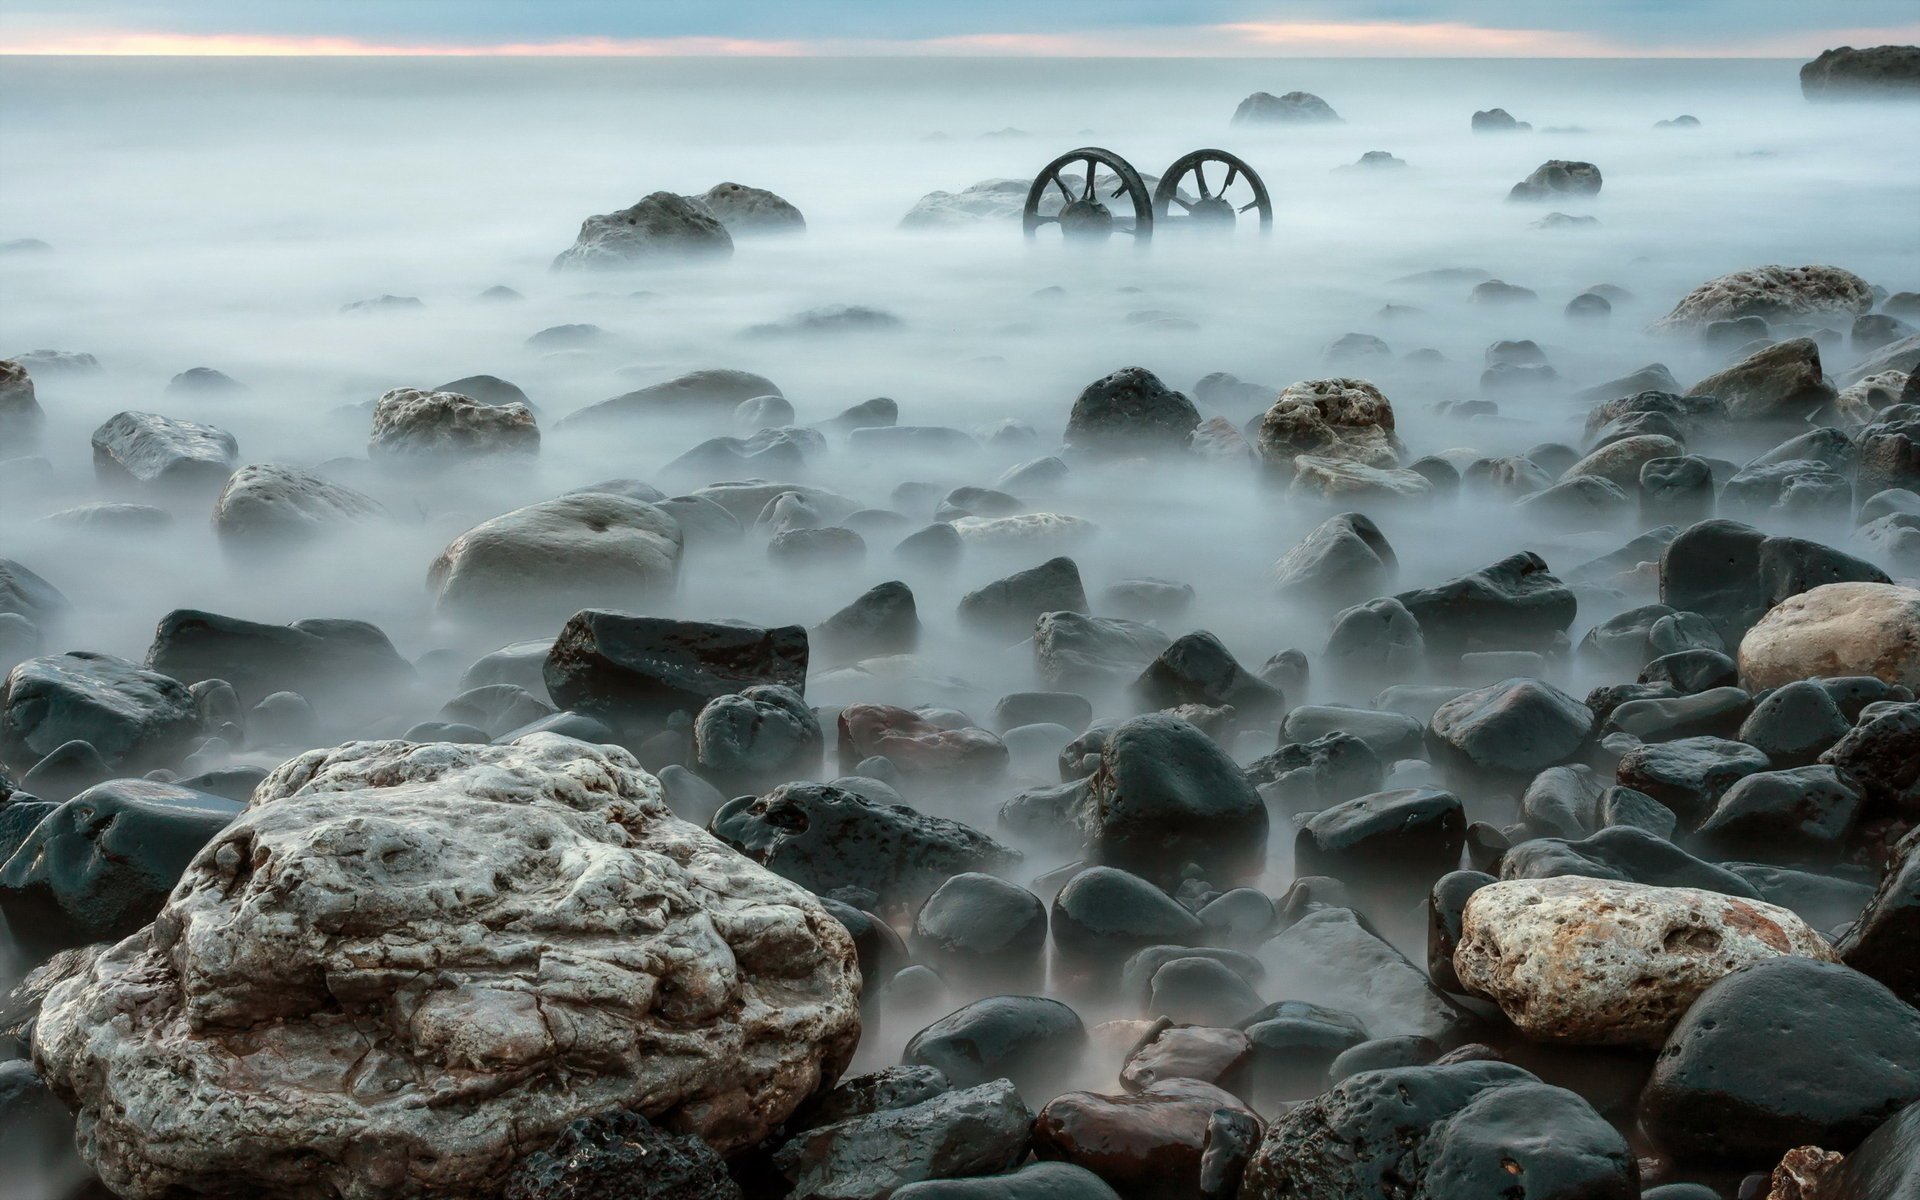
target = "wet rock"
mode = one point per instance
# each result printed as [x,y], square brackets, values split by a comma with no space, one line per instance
[1596,961]
[1889,457]
[1516,603]
[1692,671]
[1795,724]
[1497,120]
[1732,574]
[712,391]
[917,745]
[1147,1146]
[271,506]
[1330,959]
[1880,942]
[1781,382]
[21,417]
[1772,293]
[1379,639]
[100,866]
[1881,756]
[1717,712]
[1387,841]
[1871,72]
[1557,178]
[343,868]
[65,773]
[1446,917]
[749,211]
[1147,599]
[758,735]
[559,556]
[1068,709]
[1788,1052]
[1500,292]
[631,671]
[1165,795]
[134,718]
[1346,556]
[1803,815]
[1035,1181]
[1263,108]
[882,620]
[621,1156]
[1130,412]
[1390,735]
[1515,727]
[1837,629]
[660,228]
[1106,914]
[1623,460]
[1201,991]
[147,450]
[979,1130]
[330,660]
[1628,853]
[830,547]
[1073,652]
[1451,1132]
[1198,669]
[823,836]
[1327,770]
[439,429]
[977,926]
[1338,481]
[1688,775]
[1030,1040]
[1342,420]
[1009,607]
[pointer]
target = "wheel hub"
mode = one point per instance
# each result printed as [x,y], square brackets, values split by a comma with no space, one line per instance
[1087,220]
[1213,213]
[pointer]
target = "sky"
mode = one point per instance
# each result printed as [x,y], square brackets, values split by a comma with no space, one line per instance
[1571,28]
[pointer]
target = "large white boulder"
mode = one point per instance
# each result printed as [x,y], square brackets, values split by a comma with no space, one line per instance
[1599,961]
[405,964]
[1836,629]
[415,426]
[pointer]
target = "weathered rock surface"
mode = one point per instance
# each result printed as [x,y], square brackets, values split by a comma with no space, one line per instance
[976,1131]
[1596,961]
[1458,1131]
[151,451]
[1332,960]
[269,506]
[1558,178]
[411,426]
[1867,73]
[621,1156]
[1262,108]
[1838,629]
[496,917]
[713,391]
[746,211]
[559,556]
[21,417]
[1772,293]
[1166,795]
[1781,382]
[1344,419]
[626,669]
[1130,412]
[323,659]
[662,227]
[1346,557]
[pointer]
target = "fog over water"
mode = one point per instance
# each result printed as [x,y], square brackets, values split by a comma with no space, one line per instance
[220,213]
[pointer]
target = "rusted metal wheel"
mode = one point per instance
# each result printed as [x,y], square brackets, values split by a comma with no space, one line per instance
[1082,213]
[1235,189]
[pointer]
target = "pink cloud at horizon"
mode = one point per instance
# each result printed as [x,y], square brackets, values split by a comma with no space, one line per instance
[1384,39]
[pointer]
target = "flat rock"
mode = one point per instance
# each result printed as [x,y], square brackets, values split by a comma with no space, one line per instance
[151,451]
[556,557]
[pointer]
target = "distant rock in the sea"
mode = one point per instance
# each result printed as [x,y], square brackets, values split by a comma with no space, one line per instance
[24,246]
[1850,74]
[1376,160]
[383,304]
[1264,108]
[747,211]
[1556,178]
[1497,120]
[661,228]
[987,200]
[1683,121]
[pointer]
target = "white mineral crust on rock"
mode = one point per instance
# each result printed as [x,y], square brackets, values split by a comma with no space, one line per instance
[1597,961]
[405,965]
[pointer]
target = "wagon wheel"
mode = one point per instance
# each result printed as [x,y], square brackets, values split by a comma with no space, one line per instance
[1083,215]
[1218,208]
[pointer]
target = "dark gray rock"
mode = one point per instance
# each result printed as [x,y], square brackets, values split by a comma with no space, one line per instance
[634,671]
[980,1130]
[1130,412]
[134,719]
[1165,795]
[148,450]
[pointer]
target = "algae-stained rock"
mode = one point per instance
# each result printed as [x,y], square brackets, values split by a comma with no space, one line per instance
[1597,961]
[491,919]
[1772,293]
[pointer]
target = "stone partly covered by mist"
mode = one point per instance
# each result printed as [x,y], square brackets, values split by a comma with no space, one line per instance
[495,916]
[1866,73]
[660,228]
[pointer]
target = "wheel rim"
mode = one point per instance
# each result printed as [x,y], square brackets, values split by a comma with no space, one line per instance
[1213,210]
[1083,214]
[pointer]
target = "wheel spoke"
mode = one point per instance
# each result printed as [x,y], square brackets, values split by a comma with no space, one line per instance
[1233,173]
[1183,204]
[1250,204]
[1200,176]
[1065,193]
[1039,220]
[1091,170]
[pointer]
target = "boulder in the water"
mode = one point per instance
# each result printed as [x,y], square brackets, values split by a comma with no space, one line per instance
[661,228]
